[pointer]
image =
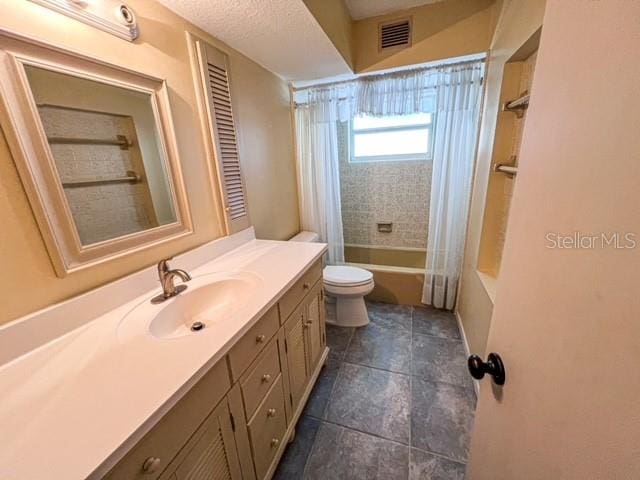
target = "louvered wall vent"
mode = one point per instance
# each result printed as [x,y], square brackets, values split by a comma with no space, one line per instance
[219,85]
[218,92]
[396,34]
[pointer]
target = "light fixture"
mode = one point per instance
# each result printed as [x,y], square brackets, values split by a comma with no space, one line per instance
[112,16]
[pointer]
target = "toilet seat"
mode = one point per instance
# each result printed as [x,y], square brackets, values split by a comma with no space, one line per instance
[346,276]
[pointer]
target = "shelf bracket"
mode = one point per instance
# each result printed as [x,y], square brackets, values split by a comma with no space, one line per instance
[517,106]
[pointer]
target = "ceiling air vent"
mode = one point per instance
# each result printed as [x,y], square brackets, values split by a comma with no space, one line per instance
[396,34]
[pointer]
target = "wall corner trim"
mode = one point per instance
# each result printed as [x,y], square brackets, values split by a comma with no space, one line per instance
[476,383]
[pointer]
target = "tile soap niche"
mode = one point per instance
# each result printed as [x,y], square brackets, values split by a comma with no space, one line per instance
[385,227]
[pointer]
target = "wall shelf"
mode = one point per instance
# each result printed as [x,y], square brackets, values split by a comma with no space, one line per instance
[132,177]
[120,141]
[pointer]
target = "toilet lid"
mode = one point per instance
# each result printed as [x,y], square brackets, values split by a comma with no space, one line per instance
[345,276]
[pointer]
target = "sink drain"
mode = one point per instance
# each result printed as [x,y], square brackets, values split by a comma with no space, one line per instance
[197,326]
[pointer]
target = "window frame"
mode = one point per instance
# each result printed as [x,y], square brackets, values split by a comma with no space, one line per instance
[394,157]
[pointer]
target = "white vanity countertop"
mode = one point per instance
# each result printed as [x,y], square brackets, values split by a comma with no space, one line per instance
[72,407]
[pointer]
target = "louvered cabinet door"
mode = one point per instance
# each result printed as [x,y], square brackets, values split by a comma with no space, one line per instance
[296,349]
[217,89]
[211,453]
[314,325]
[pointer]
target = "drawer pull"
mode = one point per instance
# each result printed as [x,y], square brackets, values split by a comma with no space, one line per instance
[275,442]
[271,412]
[151,465]
[306,285]
[266,378]
[260,339]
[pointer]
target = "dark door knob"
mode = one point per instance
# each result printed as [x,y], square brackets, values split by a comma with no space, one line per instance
[493,366]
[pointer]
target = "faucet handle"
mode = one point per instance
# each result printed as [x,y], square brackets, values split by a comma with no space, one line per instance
[163,265]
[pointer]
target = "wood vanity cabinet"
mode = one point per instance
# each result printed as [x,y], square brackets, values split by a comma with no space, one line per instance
[235,422]
[305,342]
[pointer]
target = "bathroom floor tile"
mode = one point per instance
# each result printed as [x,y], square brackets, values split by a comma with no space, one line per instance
[440,360]
[441,417]
[338,339]
[384,347]
[341,453]
[372,401]
[438,323]
[319,398]
[390,315]
[366,420]
[295,457]
[426,466]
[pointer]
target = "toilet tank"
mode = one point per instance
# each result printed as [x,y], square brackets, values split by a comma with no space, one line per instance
[305,237]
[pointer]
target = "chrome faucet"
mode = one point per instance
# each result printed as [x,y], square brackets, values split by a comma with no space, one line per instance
[167,277]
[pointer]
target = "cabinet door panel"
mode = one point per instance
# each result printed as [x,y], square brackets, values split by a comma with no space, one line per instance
[314,328]
[297,355]
[211,453]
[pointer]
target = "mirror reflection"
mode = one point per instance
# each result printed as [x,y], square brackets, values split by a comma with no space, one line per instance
[107,151]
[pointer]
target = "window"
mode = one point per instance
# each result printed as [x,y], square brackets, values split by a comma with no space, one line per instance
[392,138]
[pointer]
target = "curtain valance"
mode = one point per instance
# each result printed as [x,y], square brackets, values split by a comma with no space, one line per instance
[396,93]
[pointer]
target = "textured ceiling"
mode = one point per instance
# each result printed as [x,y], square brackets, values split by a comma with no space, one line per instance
[360,9]
[281,35]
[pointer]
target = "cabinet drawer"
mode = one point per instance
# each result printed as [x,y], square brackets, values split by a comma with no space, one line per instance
[253,342]
[170,434]
[296,293]
[258,381]
[267,428]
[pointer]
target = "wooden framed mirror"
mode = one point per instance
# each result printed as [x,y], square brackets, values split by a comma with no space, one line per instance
[95,149]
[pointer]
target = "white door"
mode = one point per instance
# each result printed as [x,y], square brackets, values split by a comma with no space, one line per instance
[567,320]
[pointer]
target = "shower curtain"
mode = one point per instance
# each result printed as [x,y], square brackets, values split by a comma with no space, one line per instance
[453,93]
[458,97]
[319,170]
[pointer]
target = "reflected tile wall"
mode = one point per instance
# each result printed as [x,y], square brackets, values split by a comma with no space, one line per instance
[109,210]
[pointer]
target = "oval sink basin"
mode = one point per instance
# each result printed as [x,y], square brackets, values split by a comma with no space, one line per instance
[208,300]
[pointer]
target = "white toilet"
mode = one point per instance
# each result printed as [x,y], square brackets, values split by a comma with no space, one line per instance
[348,285]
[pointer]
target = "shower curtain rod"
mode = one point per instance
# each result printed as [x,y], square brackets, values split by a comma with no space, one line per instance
[373,75]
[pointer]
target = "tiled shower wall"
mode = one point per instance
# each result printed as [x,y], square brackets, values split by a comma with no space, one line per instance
[371,192]
[107,210]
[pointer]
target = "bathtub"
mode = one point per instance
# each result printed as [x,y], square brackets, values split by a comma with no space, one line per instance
[397,272]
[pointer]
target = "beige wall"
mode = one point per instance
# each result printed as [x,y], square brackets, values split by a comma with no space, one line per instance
[440,30]
[333,16]
[262,108]
[519,20]
[264,128]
